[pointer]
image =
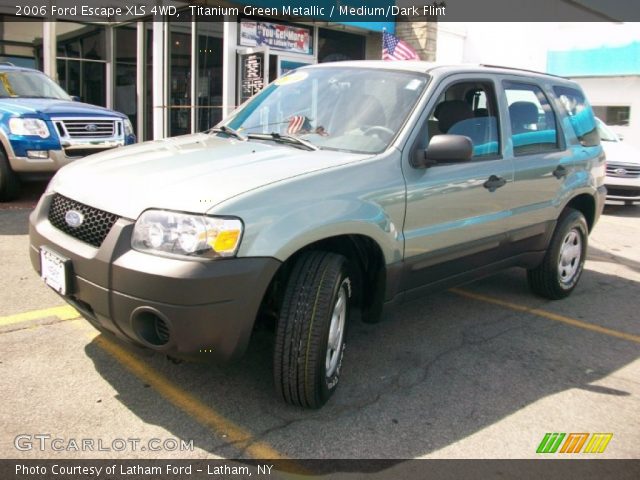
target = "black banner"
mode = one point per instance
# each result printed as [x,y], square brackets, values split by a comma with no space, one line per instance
[327,469]
[327,10]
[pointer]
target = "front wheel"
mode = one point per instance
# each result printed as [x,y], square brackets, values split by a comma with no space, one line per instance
[559,272]
[310,340]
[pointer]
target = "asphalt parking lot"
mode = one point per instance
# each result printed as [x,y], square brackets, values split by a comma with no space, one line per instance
[484,371]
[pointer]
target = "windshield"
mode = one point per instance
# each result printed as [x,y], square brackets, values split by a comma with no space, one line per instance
[24,84]
[606,134]
[351,109]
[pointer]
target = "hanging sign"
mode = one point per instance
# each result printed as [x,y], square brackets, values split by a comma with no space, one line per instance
[275,35]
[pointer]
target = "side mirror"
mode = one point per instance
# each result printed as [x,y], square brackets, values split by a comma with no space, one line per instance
[444,149]
[76,98]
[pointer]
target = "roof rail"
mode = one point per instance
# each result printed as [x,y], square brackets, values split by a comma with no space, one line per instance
[9,64]
[521,70]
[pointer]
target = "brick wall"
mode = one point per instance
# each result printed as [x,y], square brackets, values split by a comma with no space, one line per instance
[421,33]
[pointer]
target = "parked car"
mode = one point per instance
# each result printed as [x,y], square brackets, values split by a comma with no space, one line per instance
[43,129]
[337,192]
[623,167]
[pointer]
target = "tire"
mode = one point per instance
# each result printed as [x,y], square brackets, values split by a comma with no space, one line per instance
[307,362]
[559,272]
[9,183]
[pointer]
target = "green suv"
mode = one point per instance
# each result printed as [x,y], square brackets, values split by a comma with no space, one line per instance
[337,192]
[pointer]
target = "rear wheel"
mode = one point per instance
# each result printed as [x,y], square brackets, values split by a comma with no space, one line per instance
[310,338]
[559,272]
[9,183]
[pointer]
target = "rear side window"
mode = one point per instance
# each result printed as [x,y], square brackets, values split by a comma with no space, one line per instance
[533,122]
[580,115]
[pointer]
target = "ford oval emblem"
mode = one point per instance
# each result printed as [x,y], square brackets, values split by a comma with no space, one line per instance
[73,218]
[620,171]
[92,127]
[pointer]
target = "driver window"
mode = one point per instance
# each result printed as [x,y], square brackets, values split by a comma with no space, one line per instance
[468,109]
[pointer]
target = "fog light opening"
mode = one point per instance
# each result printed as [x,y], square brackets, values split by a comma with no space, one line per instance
[151,328]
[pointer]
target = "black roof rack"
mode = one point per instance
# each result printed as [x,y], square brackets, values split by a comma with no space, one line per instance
[521,70]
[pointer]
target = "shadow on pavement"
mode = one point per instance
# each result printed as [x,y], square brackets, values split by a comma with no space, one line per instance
[621,210]
[14,222]
[443,369]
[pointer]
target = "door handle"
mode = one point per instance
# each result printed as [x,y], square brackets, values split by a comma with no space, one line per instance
[494,183]
[560,172]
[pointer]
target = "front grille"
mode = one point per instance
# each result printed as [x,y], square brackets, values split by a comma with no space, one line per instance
[623,192]
[623,171]
[87,128]
[95,226]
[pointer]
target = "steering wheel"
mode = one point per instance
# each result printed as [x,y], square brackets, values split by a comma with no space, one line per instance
[384,133]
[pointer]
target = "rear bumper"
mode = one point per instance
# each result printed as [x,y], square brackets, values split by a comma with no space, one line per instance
[207,309]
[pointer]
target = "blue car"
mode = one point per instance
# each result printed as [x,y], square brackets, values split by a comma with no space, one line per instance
[42,128]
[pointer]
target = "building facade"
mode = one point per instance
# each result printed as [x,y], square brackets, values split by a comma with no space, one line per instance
[178,77]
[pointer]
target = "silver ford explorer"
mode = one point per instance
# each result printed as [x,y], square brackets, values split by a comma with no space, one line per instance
[338,191]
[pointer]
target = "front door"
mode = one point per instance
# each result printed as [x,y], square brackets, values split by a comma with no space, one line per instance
[458,213]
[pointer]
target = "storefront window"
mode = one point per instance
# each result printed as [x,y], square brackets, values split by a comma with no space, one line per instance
[148,83]
[180,76]
[125,56]
[335,46]
[81,61]
[209,79]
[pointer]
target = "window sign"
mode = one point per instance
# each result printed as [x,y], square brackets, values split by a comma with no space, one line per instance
[252,75]
[277,36]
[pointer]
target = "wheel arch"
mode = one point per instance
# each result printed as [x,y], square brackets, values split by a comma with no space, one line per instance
[367,265]
[586,204]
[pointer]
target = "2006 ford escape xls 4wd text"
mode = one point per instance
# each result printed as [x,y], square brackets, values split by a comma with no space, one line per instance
[336,191]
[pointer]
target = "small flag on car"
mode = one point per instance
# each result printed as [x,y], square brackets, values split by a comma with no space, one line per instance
[395,49]
[297,123]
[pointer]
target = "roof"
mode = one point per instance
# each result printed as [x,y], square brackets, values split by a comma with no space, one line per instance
[439,68]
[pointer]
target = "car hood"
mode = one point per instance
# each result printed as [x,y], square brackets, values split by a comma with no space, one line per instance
[621,152]
[54,108]
[192,173]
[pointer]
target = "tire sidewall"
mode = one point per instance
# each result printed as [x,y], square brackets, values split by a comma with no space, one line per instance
[327,385]
[575,220]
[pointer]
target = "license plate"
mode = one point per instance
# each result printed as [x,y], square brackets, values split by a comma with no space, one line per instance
[55,270]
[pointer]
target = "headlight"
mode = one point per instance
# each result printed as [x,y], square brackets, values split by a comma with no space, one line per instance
[128,127]
[28,126]
[170,233]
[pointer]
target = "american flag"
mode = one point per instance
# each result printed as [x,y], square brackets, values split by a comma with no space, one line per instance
[297,123]
[395,49]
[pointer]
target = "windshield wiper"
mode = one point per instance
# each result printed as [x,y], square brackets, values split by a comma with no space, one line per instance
[229,131]
[276,137]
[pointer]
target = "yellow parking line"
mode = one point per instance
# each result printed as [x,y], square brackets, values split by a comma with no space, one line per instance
[187,402]
[64,312]
[549,315]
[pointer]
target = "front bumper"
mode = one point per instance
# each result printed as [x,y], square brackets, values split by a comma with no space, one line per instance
[623,189]
[208,307]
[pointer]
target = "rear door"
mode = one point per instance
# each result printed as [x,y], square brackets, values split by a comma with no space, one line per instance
[537,148]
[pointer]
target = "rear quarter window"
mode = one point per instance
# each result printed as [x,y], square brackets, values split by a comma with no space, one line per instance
[580,114]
